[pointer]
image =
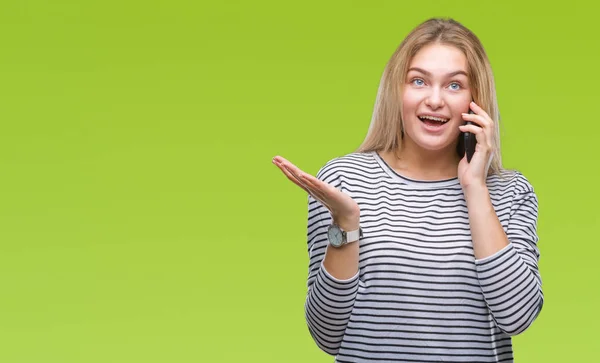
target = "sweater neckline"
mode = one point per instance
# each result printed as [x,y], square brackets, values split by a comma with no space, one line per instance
[425,184]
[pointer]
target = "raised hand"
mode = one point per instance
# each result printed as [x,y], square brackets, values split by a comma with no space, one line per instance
[344,210]
[475,172]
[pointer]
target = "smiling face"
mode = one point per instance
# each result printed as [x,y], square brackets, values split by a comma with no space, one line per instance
[435,94]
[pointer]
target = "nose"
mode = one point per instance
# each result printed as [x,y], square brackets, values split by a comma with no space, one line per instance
[434,99]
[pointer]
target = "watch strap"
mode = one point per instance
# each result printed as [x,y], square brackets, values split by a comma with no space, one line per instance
[353,236]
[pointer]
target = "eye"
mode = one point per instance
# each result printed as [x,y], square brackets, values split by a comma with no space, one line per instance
[418,82]
[455,86]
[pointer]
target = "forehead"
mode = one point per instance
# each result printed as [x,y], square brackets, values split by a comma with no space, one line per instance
[440,59]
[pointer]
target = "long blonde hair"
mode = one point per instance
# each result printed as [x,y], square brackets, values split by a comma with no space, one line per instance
[387,127]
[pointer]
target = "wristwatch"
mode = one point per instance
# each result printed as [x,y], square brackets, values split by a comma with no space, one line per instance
[338,237]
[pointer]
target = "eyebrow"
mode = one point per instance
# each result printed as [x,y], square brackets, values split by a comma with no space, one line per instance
[451,74]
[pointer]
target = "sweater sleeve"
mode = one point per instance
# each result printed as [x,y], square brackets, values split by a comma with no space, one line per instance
[510,279]
[329,301]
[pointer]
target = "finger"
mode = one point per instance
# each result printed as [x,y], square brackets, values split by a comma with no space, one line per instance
[477,119]
[471,128]
[279,159]
[478,110]
[480,135]
[316,184]
[296,172]
[292,173]
[318,188]
[291,177]
[284,165]
[291,167]
[282,162]
[314,192]
[302,179]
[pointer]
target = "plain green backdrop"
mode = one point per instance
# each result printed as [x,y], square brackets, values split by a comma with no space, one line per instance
[141,219]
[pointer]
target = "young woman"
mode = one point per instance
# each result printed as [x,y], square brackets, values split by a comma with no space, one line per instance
[416,253]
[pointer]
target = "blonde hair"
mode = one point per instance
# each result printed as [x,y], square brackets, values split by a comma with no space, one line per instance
[387,127]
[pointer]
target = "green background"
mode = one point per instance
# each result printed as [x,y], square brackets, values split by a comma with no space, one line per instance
[141,219]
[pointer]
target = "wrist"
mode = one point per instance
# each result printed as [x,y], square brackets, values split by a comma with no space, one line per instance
[347,223]
[475,190]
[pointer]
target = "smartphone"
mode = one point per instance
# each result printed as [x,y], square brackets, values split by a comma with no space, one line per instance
[470,141]
[466,142]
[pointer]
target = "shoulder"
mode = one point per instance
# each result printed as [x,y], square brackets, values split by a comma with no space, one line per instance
[510,185]
[346,165]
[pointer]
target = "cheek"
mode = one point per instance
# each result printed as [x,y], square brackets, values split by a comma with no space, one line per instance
[409,103]
[410,98]
[459,105]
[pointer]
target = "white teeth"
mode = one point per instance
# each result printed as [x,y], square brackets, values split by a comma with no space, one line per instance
[434,118]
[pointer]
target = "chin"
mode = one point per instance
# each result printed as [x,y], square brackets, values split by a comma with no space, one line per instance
[429,143]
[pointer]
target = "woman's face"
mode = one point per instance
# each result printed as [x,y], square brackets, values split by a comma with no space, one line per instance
[436,93]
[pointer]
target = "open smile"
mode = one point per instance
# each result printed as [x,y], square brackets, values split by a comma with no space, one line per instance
[433,120]
[433,124]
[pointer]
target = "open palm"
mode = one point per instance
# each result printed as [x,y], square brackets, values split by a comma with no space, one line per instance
[340,205]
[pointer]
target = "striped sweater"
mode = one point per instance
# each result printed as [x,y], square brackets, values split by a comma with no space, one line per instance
[420,295]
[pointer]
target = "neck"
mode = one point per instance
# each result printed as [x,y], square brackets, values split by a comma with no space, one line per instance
[417,163]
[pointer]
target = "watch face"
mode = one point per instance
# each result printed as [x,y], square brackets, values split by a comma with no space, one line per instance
[335,236]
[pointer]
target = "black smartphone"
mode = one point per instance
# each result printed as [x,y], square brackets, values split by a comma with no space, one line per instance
[470,141]
[466,142]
